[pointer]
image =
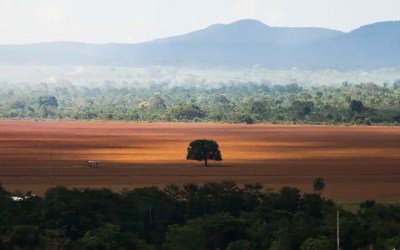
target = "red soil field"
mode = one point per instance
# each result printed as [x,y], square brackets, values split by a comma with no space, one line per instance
[357,163]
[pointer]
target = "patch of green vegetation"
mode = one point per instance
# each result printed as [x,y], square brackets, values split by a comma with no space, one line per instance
[215,215]
[351,104]
[354,206]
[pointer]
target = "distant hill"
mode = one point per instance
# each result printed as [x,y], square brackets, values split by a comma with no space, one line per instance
[252,31]
[240,44]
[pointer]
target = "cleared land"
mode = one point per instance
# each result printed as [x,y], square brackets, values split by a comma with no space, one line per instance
[357,162]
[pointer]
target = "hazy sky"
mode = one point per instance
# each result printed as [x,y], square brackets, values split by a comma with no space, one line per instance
[101,21]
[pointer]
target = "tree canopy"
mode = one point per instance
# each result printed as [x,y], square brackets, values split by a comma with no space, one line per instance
[214,215]
[48,101]
[350,103]
[204,150]
[318,184]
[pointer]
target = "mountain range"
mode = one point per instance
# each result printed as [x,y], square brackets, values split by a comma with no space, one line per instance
[243,43]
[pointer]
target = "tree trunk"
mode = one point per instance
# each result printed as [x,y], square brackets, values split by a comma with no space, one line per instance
[205,161]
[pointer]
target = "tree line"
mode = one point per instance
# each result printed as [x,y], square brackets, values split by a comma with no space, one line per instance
[365,103]
[215,215]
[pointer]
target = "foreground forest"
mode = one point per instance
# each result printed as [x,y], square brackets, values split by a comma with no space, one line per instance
[346,103]
[210,216]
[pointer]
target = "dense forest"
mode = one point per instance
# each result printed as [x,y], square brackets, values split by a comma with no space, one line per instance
[182,217]
[346,103]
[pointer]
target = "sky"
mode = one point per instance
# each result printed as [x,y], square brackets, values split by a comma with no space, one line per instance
[131,21]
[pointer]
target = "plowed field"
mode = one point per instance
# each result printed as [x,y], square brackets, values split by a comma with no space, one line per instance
[357,162]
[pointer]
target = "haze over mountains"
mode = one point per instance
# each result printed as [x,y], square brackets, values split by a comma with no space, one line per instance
[244,43]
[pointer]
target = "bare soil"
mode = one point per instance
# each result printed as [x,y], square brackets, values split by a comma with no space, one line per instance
[357,163]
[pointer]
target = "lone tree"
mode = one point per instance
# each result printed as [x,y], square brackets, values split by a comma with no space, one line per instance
[203,150]
[318,184]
